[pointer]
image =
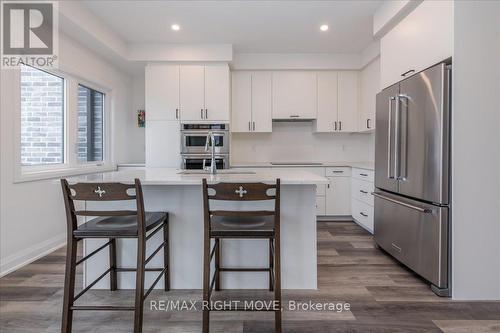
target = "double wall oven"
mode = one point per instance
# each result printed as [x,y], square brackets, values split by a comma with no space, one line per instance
[193,140]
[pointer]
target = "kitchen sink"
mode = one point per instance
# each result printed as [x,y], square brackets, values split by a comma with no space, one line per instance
[219,172]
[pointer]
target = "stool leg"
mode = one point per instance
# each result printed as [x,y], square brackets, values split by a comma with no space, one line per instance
[69,285]
[206,282]
[139,285]
[112,264]
[166,255]
[271,265]
[277,281]
[217,263]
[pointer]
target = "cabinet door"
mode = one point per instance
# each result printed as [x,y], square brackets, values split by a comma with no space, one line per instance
[262,102]
[162,92]
[370,82]
[163,144]
[294,95]
[327,101]
[241,102]
[348,101]
[192,92]
[422,39]
[217,92]
[338,196]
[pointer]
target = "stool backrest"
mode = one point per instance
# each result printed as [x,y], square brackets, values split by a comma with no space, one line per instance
[241,192]
[102,192]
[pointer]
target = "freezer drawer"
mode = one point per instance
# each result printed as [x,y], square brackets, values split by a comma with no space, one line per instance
[415,233]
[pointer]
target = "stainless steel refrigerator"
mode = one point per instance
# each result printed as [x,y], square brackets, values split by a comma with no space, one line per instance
[412,174]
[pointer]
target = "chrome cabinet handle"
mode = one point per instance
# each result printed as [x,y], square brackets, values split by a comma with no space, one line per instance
[249,128]
[340,126]
[389,139]
[254,125]
[335,126]
[176,113]
[363,174]
[201,113]
[338,171]
[408,72]
[363,214]
[294,116]
[206,113]
[420,209]
[364,192]
[367,123]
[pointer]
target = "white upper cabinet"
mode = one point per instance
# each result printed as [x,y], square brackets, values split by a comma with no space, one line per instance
[251,102]
[422,39]
[370,87]
[327,102]
[338,101]
[162,92]
[192,92]
[241,102]
[348,106]
[262,102]
[204,92]
[217,93]
[294,95]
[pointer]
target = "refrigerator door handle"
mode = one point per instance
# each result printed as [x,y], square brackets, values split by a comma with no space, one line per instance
[396,138]
[407,205]
[404,133]
[389,140]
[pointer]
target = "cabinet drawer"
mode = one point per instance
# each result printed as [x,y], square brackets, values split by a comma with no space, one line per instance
[320,206]
[363,214]
[362,191]
[363,174]
[338,171]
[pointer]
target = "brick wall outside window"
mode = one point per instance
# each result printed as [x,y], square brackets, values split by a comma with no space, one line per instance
[90,108]
[42,117]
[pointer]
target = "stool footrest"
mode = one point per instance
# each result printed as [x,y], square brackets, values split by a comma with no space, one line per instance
[244,269]
[102,308]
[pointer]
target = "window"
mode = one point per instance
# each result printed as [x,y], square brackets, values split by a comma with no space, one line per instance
[42,117]
[90,125]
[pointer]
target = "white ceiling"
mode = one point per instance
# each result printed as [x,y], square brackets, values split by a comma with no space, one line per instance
[251,26]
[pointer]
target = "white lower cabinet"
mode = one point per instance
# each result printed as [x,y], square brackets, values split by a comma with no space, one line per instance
[362,213]
[338,196]
[362,199]
[320,205]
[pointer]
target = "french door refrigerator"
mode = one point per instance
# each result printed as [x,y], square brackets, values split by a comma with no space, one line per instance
[412,174]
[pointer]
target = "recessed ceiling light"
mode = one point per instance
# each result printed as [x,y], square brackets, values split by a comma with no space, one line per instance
[175,27]
[324,27]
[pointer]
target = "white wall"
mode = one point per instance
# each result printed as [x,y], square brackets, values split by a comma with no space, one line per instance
[476,151]
[32,220]
[296,141]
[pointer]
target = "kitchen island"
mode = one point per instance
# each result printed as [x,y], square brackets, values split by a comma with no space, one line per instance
[179,193]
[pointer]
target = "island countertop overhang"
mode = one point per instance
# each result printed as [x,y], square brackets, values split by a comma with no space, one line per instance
[172,176]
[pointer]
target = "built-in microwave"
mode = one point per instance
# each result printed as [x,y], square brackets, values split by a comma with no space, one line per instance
[203,161]
[194,137]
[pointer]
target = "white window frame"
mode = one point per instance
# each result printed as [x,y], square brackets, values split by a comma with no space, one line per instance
[70,166]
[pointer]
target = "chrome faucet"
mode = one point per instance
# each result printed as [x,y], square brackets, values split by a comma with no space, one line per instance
[213,165]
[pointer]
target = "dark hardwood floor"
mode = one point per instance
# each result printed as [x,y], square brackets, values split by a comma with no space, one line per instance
[383,297]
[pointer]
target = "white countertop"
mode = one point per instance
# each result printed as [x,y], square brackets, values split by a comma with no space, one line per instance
[360,165]
[171,176]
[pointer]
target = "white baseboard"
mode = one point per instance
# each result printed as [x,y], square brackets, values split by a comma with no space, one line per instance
[27,256]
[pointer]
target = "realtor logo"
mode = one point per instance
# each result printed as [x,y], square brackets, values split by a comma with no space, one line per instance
[29,33]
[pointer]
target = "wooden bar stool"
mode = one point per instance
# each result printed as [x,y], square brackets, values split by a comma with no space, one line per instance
[257,224]
[112,225]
